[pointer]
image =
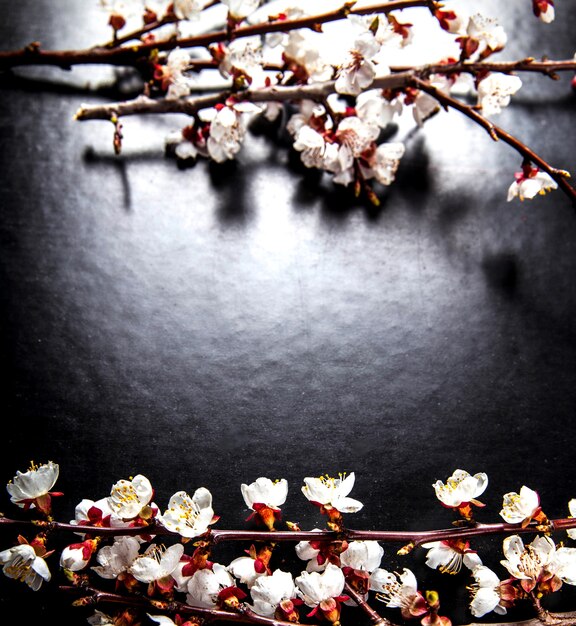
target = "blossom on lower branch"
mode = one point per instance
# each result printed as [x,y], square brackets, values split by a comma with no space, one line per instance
[401,591]
[275,596]
[489,594]
[349,151]
[530,182]
[23,563]
[323,592]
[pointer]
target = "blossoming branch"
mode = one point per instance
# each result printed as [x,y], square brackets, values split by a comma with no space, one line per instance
[335,92]
[121,542]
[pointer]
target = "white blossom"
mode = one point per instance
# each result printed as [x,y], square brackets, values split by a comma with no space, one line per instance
[528,187]
[264,491]
[358,70]
[371,107]
[544,10]
[129,497]
[28,487]
[244,569]
[398,591]
[206,584]
[520,507]
[383,163]
[487,32]
[460,488]
[314,587]
[22,563]
[156,563]
[239,9]
[495,90]
[76,557]
[189,9]
[189,516]
[332,492]
[227,131]
[449,556]
[117,558]
[269,591]
[486,595]
[528,563]
[362,555]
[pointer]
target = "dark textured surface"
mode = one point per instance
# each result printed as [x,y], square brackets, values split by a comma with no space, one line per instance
[210,325]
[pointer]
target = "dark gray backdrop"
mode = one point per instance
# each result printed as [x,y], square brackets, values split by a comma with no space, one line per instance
[210,325]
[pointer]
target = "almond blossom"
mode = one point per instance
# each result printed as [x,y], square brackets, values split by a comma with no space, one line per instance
[332,492]
[544,10]
[206,584]
[488,33]
[529,564]
[401,591]
[171,75]
[265,497]
[188,9]
[117,559]
[22,563]
[495,90]
[189,516]
[489,594]
[31,489]
[239,9]
[358,70]
[322,592]
[529,183]
[76,556]
[247,570]
[449,556]
[268,592]
[227,130]
[461,489]
[129,497]
[157,563]
[520,508]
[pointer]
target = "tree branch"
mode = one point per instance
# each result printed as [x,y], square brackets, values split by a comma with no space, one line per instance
[558,175]
[375,617]
[414,538]
[132,55]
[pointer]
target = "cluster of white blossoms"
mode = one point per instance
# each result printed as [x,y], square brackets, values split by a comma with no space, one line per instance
[336,90]
[121,541]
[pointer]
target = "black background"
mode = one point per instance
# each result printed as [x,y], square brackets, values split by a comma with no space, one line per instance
[209,325]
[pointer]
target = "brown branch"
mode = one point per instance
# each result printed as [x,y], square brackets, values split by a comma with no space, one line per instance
[189,106]
[243,615]
[414,538]
[547,67]
[375,617]
[169,18]
[132,55]
[560,176]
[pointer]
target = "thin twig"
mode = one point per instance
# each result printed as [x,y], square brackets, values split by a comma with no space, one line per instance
[243,615]
[560,176]
[375,617]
